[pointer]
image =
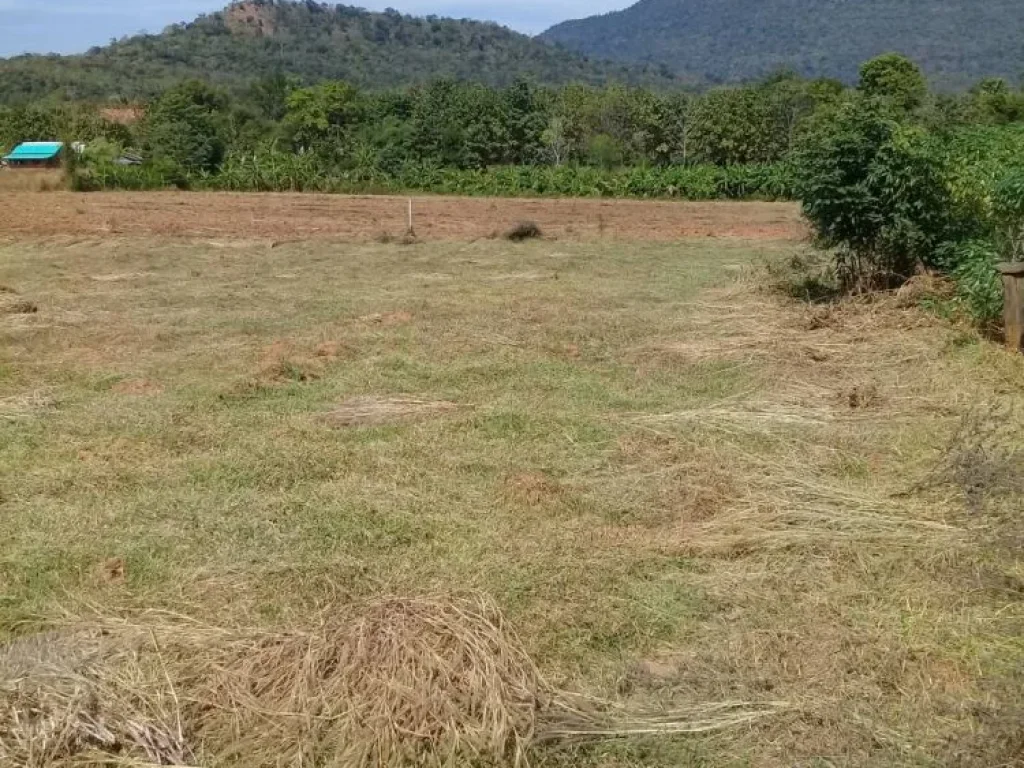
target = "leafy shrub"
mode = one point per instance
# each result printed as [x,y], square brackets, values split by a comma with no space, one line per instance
[874,189]
[272,171]
[1008,211]
[973,266]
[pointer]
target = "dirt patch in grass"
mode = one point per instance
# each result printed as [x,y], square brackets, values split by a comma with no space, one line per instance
[534,489]
[118,277]
[138,387]
[332,350]
[281,363]
[370,411]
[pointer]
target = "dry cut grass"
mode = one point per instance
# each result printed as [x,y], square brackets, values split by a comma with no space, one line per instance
[397,681]
[693,499]
[31,180]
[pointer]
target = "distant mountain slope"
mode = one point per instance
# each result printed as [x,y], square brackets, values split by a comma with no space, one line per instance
[311,41]
[955,41]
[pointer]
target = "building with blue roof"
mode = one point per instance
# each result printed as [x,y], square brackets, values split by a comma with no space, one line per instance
[36,154]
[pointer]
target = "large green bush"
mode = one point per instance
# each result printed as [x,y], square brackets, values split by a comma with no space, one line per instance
[876,191]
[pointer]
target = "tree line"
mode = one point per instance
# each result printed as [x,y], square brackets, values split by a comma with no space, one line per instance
[333,128]
[891,175]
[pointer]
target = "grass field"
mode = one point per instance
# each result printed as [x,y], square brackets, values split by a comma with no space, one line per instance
[680,487]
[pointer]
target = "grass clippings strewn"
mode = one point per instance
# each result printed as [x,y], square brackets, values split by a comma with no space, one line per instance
[394,681]
[653,466]
[14,407]
[370,411]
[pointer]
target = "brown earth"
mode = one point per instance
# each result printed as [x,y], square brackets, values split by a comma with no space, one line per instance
[301,216]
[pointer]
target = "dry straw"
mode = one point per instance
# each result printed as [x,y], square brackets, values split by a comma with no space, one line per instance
[395,682]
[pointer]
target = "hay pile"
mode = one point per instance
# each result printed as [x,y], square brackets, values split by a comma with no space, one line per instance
[372,411]
[424,682]
[13,304]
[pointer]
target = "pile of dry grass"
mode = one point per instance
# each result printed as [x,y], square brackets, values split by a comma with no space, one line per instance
[832,380]
[370,411]
[83,697]
[395,682]
[13,304]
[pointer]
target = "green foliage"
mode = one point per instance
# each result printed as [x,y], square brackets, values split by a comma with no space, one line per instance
[979,287]
[604,152]
[1008,214]
[275,171]
[874,189]
[895,79]
[185,127]
[323,117]
[736,125]
[994,102]
[264,48]
[956,41]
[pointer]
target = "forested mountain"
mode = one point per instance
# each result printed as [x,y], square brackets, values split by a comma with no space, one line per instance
[311,42]
[956,42]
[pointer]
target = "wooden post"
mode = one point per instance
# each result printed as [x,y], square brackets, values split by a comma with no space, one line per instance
[1013,308]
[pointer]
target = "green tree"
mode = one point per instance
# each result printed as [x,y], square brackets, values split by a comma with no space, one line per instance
[733,126]
[894,78]
[875,190]
[186,127]
[605,152]
[996,103]
[323,117]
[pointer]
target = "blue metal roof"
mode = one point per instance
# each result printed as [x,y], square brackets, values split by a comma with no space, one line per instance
[36,150]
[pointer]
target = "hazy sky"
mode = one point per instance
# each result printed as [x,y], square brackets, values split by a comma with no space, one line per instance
[70,26]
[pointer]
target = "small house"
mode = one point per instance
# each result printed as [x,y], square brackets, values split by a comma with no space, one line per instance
[36,154]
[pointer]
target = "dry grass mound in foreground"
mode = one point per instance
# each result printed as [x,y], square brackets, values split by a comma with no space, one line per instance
[372,411]
[13,304]
[394,682]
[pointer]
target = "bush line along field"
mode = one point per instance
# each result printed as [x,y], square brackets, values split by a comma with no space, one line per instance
[290,173]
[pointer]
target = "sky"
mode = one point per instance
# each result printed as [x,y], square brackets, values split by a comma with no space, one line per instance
[72,26]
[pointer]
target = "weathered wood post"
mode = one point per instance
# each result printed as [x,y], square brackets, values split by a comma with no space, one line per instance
[1013,309]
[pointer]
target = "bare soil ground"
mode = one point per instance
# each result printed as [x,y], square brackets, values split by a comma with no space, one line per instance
[294,216]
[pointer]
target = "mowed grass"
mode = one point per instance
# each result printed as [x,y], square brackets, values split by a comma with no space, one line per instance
[679,488]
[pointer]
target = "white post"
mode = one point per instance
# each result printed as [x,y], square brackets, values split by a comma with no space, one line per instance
[410,230]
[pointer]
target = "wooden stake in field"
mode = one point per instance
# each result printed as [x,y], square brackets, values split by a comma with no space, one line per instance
[1013,308]
[411,230]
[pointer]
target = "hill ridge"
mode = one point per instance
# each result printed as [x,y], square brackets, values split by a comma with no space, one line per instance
[312,42]
[957,42]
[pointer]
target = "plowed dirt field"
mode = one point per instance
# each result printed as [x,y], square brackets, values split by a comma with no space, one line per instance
[294,216]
